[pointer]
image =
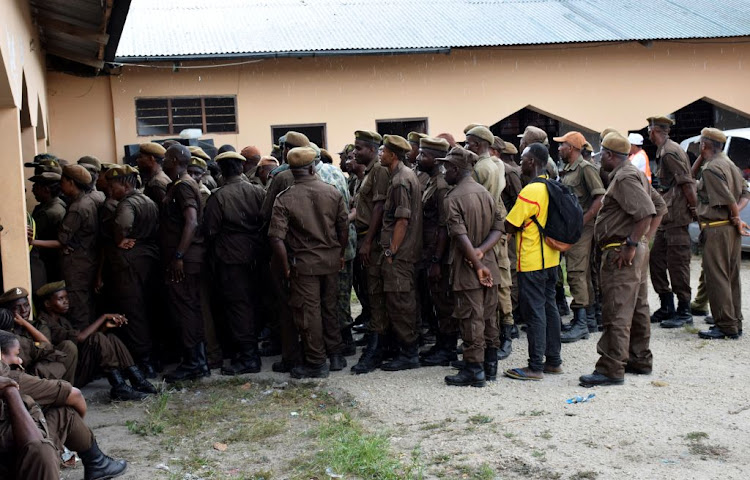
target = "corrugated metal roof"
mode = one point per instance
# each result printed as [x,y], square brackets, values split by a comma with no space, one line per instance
[175,28]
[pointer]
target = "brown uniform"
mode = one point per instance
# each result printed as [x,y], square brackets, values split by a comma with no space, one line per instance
[183,298]
[625,312]
[48,217]
[232,223]
[721,185]
[134,271]
[46,360]
[78,234]
[671,249]
[513,186]
[582,178]
[309,217]
[472,211]
[99,352]
[156,187]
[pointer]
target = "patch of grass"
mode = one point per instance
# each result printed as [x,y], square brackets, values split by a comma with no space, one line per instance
[697,446]
[539,455]
[509,434]
[485,472]
[696,436]
[431,426]
[154,422]
[545,435]
[584,475]
[691,329]
[480,419]
[537,413]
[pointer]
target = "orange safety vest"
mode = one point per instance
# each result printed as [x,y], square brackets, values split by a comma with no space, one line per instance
[647,170]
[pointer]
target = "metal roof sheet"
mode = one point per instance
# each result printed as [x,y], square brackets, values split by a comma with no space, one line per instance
[178,28]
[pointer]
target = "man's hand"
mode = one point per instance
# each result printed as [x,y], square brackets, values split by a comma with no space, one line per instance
[741,226]
[18,319]
[176,271]
[484,276]
[30,235]
[126,243]
[364,253]
[625,257]
[5,384]
[434,272]
[115,320]
[693,213]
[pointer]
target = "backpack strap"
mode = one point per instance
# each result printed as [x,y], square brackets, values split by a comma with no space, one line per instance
[541,237]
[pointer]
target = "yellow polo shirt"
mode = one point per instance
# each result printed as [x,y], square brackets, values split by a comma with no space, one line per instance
[533,200]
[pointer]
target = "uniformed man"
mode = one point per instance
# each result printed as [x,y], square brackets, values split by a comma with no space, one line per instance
[474,226]
[582,178]
[197,169]
[265,166]
[48,216]
[310,221]
[629,217]
[182,252]
[252,160]
[134,258]
[722,193]
[536,135]
[77,239]
[411,157]
[233,223]
[94,166]
[149,160]
[671,249]
[435,258]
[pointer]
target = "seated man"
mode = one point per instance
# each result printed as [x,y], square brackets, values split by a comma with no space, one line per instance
[99,349]
[57,410]
[40,356]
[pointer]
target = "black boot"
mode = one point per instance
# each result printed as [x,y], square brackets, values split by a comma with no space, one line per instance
[666,311]
[138,380]
[247,361]
[371,357]
[472,375]
[579,329]
[147,367]
[98,466]
[338,362]
[562,303]
[348,340]
[682,316]
[121,390]
[491,354]
[193,366]
[407,359]
[591,319]
[514,331]
[307,370]
[444,352]
[506,344]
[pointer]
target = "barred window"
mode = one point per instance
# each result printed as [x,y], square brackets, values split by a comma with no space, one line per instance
[169,116]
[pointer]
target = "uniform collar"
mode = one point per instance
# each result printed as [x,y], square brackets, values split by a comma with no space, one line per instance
[572,166]
[371,165]
[306,178]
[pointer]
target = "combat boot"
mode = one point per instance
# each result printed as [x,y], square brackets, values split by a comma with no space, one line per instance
[682,316]
[247,361]
[579,329]
[307,370]
[98,466]
[193,366]
[562,304]
[491,355]
[138,380]
[407,359]
[444,353]
[121,390]
[472,375]
[591,319]
[506,344]
[371,357]
[338,362]
[666,311]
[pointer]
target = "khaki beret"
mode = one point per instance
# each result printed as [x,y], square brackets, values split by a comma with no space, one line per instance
[606,132]
[660,120]
[396,144]
[107,166]
[268,160]
[198,152]
[368,136]
[574,139]
[460,157]
[616,143]
[92,161]
[250,151]
[324,154]
[77,173]
[47,164]
[152,148]
[276,149]
[482,132]
[415,137]
[470,126]
[46,178]
[347,148]
[498,144]
[116,171]
[437,144]
[46,290]
[534,135]
[13,294]
[509,149]
[197,162]
[234,155]
[714,134]
[301,157]
[296,139]
[587,148]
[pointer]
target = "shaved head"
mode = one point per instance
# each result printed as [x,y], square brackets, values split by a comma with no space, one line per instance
[179,153]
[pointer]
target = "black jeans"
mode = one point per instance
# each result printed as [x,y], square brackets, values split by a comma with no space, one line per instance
[536,297]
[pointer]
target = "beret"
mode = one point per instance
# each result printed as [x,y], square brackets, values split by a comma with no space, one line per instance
[460,157]
[470,126]
[296,139]
[498,144]
[38,158]
[616,143]
[107,166]
[574,139]
[152,148]
[46,178]
[267,160]
[533,135]
[118,170]
[301,157]
[438,144]
[414,137]
[368,136]
[198,152]
[324,154]
[587,147]
[48,164]
[77,173]
[635,139]
[276,149]
[347,148]
[396,143]
[46,290]
[93,161]
[234,155]
[714,134]
[509,149]
[482,132]
[197,162]
[250,151]
[606,132]
[661,120]
[13,294]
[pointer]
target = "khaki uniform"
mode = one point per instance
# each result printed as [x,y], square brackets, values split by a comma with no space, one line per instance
[156,187]
[308,217]
[671,249]
[583,180]
[721,185]
[47,360]
[625,312]
[48,217]
[471,211]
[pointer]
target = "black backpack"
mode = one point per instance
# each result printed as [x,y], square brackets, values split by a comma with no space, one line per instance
[564,217]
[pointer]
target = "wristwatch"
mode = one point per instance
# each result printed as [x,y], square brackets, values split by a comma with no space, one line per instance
[179,255]
[630,243]
[388,253]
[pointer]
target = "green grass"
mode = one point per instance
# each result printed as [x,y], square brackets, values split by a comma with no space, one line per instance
[480,419]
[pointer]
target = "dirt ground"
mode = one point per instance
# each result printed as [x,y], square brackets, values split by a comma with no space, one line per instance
[690,419]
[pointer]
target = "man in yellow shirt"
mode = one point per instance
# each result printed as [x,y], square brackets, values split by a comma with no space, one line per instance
[537,270]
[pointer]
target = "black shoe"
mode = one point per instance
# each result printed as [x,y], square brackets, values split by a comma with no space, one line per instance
[440,357]
[579,329]
[138,380]
[490,363]
[506,343]
[666,311]
[715,333]
[637,371]
[514,332]
[371,357]
[121,390]
[246,362]
[98,466]
[565,327]
[459,364]
[591,319]
[193,366]
[407,359]
[713,327]
[563,309]
[147,367]
[597,379]
[472,375]
[310,371]
[281,367]
[338,363]
[709,320]
[675,322]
